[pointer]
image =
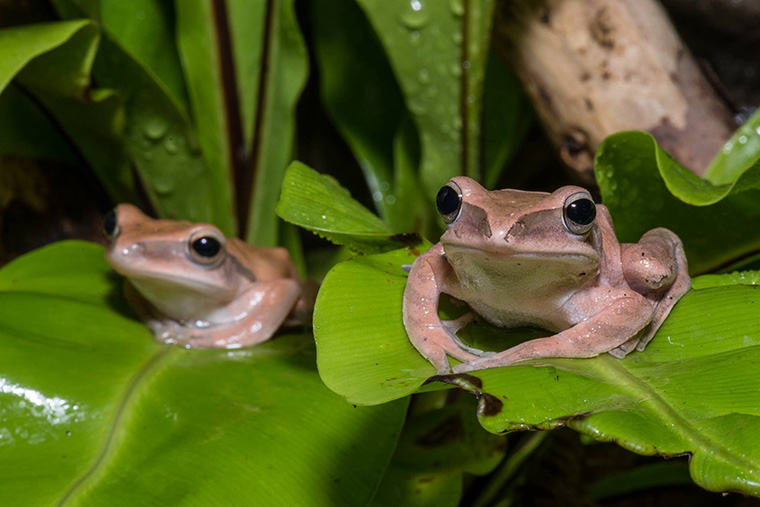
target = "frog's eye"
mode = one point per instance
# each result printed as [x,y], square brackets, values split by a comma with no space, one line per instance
[110,225]
[449,202]
[579,213]
[206,248]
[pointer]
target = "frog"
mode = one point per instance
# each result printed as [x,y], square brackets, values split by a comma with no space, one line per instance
[548,260]
[197,288]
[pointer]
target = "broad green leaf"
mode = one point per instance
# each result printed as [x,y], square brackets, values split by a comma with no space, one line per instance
[438,53]
[95,412]
[694,390]
[436,448]
[645,188]
[52,62]
[286,64]
[739,153]
[337,216]
[360,94]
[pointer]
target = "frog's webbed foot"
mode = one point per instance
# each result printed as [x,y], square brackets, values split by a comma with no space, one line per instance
[616,327]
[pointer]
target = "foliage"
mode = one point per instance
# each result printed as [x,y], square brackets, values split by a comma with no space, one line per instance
[95,412]
[189,108]
[682,395]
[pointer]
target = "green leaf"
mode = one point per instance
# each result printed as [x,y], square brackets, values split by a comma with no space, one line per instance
[438,53]
[436,449]
[286,64]
[247,23]
[144,29]
[52,63]
[157,130]
[319,204]
[645,188]
[739,153]
[198,38]
[694,390]
[95,412]
[360,93]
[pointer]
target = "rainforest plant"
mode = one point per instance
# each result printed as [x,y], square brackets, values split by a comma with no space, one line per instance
[189,109]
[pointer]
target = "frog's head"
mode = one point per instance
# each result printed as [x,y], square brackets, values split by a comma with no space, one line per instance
[172,263]
[499,224]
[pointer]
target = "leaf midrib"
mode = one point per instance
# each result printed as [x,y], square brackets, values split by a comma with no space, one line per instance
[613,371]
[108,444]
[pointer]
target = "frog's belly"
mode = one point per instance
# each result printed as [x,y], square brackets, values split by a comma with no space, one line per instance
[517,301]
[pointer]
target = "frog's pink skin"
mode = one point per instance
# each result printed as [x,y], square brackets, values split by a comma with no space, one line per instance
[509,256]
[241,300]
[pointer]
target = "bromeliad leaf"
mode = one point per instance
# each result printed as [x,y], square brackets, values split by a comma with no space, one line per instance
[105,415]
[51,64]
[696,379]
[644,188]
[318,203]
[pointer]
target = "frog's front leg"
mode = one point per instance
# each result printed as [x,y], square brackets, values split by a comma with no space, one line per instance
[253,318]
[656,268]
[615,325]
[433,338]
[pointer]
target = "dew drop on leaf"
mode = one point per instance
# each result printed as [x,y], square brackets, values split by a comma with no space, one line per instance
[155,128]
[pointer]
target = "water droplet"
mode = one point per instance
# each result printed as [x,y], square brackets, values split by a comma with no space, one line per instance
[155,128]
[742,139]
[377,196]
[466,64]
[170,145]
[390,199]
[471,99]
[728,147]
[417,107]
[457,7]
[385,186]
[456,69]
[424,76]
[757,129]
[415,35]
[416,16]
[163,186]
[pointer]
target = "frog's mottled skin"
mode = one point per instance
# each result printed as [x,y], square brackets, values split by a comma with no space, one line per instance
[239,300]
[511,257]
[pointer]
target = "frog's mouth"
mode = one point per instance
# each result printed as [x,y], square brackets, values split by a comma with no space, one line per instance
[512,254]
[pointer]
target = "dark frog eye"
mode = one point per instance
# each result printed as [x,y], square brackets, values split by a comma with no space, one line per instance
[110,225]
[206,247]
[579,213]
[449,202]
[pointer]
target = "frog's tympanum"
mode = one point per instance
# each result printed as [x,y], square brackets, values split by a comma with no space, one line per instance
[194,287]
[546,260]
